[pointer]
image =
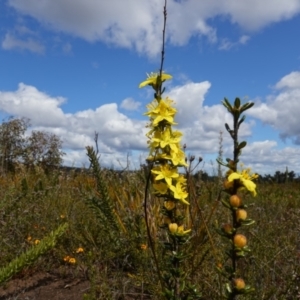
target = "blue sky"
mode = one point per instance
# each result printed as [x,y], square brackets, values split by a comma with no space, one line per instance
[74,68]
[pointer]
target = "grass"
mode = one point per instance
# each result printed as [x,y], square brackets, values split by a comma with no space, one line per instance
[119,262]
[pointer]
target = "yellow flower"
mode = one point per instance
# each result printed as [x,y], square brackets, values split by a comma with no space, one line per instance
[177,158]
[179,193]
[245,180]
[163,111]
[178,230]
[36,242]
[72,260]
[181,231]
[153,78]
[165,172]
[79,250]
[160,188]
[167,138]
[143,246]
[29,238]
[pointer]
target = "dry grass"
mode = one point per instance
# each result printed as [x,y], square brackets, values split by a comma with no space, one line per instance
[117,263]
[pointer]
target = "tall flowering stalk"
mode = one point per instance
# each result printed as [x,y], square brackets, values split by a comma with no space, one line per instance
[235,183]
[165,157]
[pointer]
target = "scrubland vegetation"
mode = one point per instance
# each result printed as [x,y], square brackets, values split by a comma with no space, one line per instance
[106,234]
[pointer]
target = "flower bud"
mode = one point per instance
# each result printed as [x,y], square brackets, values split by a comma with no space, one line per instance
[239,283]
[241,215]
[228,184]
[227,228]
[169,205]
[173,227]
[240,240]
[235,201]
[192,158]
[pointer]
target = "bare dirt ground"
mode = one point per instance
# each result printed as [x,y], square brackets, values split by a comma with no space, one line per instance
[45,286]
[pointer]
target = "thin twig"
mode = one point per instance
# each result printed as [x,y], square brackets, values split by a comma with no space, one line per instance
[163,45]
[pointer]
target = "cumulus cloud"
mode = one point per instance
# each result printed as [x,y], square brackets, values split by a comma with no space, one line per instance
[117,133]
[120,135]
[137,24]
[265,157]
[130,104]
[281,110]
[11,42]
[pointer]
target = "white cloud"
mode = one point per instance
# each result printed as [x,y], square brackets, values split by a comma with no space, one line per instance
[120,135]
[29,102]
[290,81]
[201,124]
[226,44]
[264,157]
[130,104]
[281,109]
[11,42]
[117,133]
[138,24]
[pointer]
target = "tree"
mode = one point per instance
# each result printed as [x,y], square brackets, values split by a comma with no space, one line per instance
[12,142]
[43,149]
[40,148]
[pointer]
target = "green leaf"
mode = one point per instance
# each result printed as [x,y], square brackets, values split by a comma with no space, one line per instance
[241,120]
[242,145]
[228,288]
[237,103]
[247,222]
[227,104]
[227,127]
[221,163]
[225,203]
[246,106]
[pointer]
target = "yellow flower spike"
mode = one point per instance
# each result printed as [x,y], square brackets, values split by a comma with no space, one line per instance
[152,79]
[181,231]
[169,205]
[165,172]
[179,193]
[173,227]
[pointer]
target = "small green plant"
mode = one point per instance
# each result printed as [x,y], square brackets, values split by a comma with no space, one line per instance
[30,256]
